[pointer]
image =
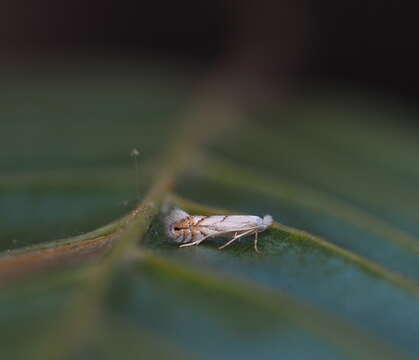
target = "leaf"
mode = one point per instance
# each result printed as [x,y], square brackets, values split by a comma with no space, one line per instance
[338,274]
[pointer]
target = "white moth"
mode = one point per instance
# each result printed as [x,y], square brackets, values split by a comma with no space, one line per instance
[190,230]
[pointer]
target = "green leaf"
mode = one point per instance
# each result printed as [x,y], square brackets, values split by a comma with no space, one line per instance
[86,272]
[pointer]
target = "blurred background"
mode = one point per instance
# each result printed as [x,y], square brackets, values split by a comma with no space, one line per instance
[85,82]
[367,45]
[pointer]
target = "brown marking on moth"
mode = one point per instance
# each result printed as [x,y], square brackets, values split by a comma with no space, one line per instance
[187,226]
[200,220]
[202,233]
[195,234]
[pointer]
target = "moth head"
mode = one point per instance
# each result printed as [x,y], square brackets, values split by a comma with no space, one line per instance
[175,217]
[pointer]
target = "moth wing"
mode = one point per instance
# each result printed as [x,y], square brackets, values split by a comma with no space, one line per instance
[209,225]
[231,223]
[211,221]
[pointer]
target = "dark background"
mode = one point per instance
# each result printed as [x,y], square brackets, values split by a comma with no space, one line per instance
[371,45]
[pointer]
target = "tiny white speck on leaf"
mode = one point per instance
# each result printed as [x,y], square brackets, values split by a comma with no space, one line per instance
[135,152]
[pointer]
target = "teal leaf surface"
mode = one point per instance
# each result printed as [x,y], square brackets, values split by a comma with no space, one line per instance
[88,272]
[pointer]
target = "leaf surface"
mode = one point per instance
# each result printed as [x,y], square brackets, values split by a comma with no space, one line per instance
[338,274]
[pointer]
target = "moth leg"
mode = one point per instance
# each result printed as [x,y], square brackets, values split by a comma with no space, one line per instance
[194,243]
[191,244]
[197,242]
[256,243]
[235,238]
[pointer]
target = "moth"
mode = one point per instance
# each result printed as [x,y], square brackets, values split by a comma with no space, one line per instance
[190,230]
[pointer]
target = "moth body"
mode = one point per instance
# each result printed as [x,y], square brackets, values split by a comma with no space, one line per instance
[190,230]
